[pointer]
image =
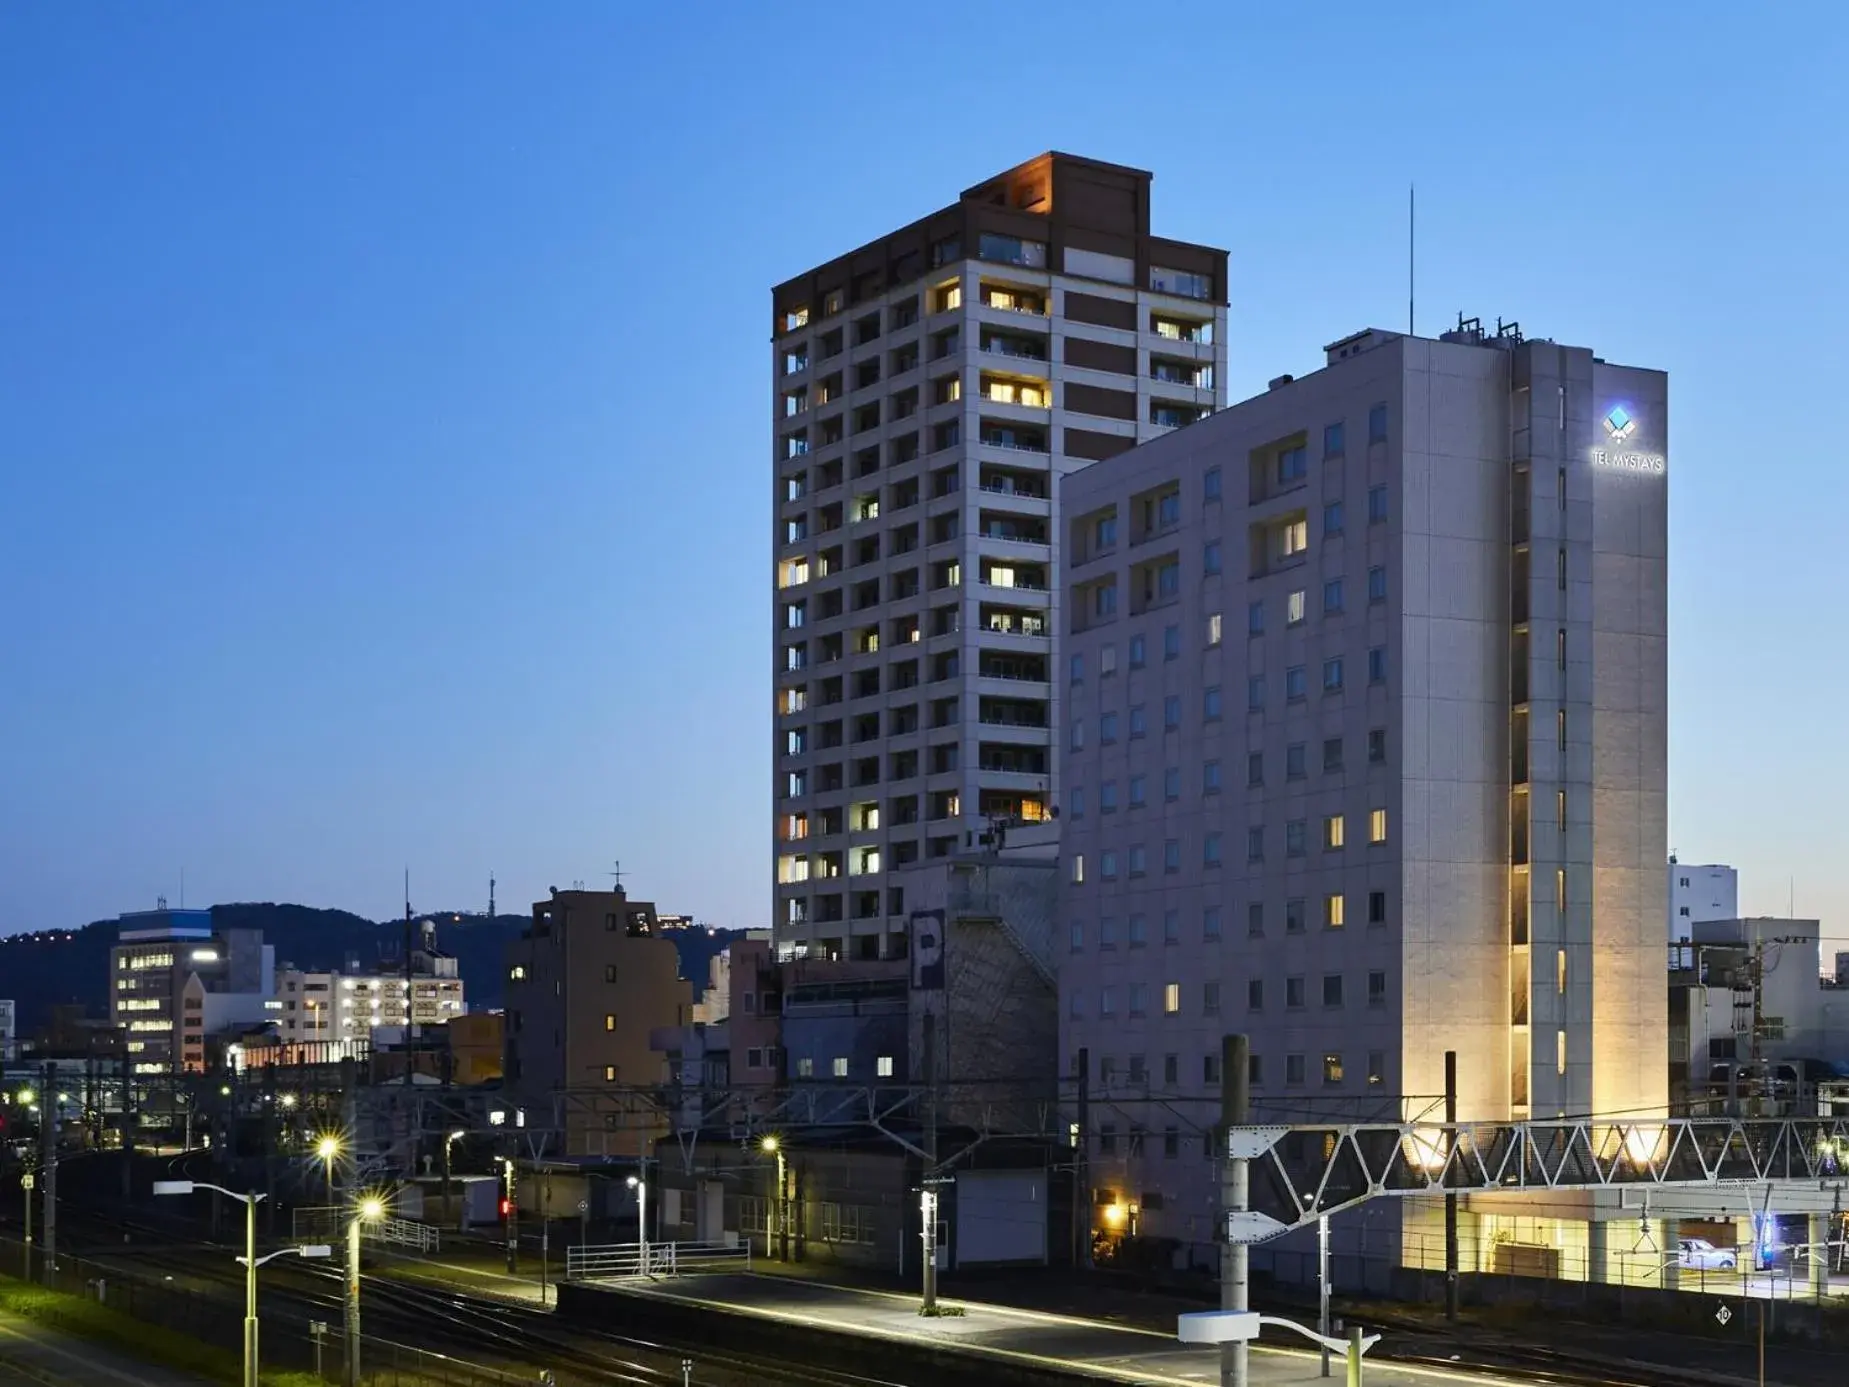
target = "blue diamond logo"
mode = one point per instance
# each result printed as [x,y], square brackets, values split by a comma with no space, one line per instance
[1619,423]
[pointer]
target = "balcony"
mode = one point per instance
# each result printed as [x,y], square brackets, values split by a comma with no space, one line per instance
[1022,393]
[1014,347]
[1011,300]
[1013,438]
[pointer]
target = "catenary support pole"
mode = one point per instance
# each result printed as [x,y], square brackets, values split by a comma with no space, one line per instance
[1450,1199]
[1235,1111]
[927,1201]
[1081,1168]
[1322,1285]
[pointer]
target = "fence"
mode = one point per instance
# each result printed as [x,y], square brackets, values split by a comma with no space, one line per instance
[654,1259]
[289,1336]
[328,1224]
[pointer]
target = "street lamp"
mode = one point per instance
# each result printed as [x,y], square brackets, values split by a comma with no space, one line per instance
[448,1142]
[771,1146]
[250,1259]
[368,1210]
[328,1149]
[640,1186]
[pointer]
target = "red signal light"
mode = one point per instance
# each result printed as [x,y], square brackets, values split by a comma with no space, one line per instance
[507,1207]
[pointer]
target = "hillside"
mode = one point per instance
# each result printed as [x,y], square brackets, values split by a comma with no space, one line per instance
[42,970]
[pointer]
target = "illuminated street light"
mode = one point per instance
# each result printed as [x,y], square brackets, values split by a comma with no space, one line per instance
[328,1149]
[640,1186]
[369,1210]
[770,1146]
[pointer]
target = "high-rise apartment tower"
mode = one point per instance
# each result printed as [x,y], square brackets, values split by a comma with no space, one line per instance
[929,390]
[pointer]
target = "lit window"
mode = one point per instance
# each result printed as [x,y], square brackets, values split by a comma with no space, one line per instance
[883,1066]
[840,1066]
[1335,910]
[1560,1052]
[609,1073]
[1171,999]
[1334,830]
[609,1020]
[1377,826]
[1294,537]
[1294,606]
[1213,629]
[1332,1069]
[805,1068]
[1078,869]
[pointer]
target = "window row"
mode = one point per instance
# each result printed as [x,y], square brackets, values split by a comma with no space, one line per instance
[1136,1072]
[1136,996]
[1136,926]
[1134,861]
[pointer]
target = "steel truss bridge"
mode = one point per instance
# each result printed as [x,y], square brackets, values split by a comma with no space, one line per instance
[1301,1174]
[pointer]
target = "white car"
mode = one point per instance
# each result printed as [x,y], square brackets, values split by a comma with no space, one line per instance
[1705,1256]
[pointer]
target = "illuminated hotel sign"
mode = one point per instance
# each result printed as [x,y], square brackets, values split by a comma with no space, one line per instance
[1620,424]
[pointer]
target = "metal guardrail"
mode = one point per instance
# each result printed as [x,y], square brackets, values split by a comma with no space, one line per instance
[328,1223]
[613,1260]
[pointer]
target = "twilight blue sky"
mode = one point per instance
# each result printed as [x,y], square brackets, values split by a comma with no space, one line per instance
[383,388]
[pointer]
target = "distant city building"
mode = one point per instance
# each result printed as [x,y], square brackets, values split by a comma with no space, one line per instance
[1742,974]
[1699,893]
[174,980]
[333,1005]
[8,1028]
[928,391]
[588,980]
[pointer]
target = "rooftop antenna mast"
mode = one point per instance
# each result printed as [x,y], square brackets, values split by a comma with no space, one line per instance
[1412,241]
[491,897]
[617,872]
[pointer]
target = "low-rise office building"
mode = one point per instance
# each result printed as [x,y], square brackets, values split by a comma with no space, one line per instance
[174,980]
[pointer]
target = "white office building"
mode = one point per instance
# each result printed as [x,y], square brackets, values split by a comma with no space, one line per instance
[334,1006]
[1699,894]
[1365,757]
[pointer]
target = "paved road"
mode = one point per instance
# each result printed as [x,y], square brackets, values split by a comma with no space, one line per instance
[32,1356]
[1112,1352]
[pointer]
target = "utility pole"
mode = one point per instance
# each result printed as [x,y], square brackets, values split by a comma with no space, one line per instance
[1451,1199]
[352,1307]
[1235,1111]
[48,1167]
